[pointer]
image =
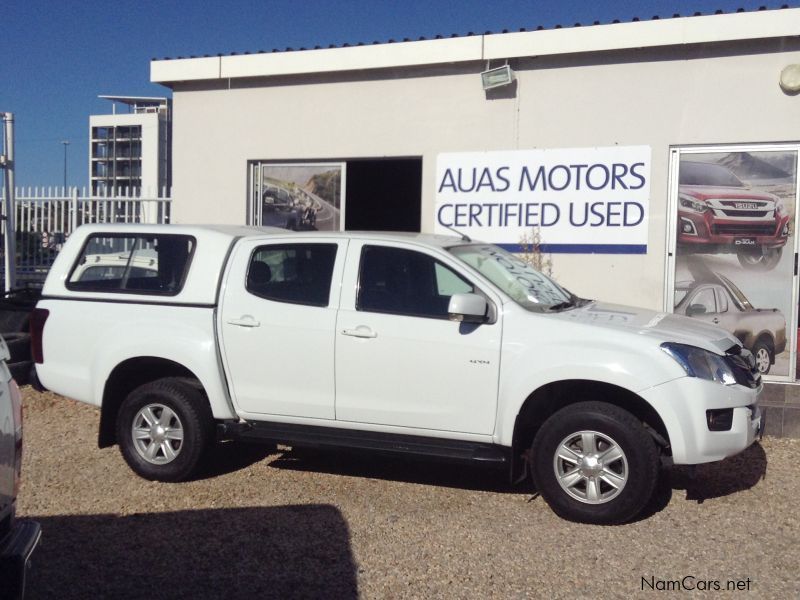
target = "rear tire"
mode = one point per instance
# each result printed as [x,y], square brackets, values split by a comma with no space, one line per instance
[594,462]
[764,357]
[164,429]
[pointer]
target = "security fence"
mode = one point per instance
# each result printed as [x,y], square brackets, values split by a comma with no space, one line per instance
[45,217]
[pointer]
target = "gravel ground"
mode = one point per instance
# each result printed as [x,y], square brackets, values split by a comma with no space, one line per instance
[281,524]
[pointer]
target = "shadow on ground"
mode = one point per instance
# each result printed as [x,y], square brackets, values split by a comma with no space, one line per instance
[229,457]
[275,552]
[399,468]
[712,480]
[729,476]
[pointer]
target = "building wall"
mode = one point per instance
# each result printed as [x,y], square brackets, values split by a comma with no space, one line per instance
[709,94]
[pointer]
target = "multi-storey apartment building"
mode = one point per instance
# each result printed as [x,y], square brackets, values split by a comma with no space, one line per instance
[129,151]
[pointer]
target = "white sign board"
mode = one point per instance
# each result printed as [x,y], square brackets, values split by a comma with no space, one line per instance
[582,200]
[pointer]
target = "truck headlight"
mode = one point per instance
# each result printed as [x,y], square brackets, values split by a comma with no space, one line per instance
[694,205]
[701,363]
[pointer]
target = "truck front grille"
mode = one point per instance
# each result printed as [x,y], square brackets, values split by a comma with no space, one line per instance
[743,229]
[743,365]
[755,214]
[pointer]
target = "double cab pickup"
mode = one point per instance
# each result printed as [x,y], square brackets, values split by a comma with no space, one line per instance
[407,343]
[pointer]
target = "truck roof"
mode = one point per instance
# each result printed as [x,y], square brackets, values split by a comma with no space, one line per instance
[237,231]
[209,255]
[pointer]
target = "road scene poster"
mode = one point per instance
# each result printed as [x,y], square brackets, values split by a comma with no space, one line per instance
[299,196]
[734,254]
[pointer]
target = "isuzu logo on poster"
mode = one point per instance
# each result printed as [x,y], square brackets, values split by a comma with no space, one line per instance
[581,200]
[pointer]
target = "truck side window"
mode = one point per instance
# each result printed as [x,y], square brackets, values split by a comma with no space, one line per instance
[133,264]
[405,282]
[293,273]
[705,298]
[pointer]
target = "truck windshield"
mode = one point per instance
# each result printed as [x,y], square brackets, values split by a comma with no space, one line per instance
[698,173]
[525,285]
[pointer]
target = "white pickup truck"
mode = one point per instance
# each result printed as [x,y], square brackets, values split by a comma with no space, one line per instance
[406,343]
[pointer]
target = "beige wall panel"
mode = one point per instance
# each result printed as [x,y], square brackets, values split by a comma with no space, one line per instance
[658,97]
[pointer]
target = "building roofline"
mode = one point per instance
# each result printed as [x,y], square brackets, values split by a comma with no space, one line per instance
[137,100]
[766,24]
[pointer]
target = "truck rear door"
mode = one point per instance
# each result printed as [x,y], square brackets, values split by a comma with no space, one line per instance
[277,324]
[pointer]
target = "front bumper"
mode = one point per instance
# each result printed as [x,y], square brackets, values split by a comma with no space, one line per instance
[682,404]
[15,553]
[706,229]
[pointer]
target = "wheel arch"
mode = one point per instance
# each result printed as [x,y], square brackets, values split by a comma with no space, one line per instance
[127,376]
[553,396]
[768,339]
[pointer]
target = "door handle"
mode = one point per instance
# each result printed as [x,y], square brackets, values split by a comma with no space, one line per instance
[715,320]
[362,331]
[245,321]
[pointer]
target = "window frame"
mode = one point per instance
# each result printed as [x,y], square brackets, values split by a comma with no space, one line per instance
[722,300]
[703,290]
[284,244]
[70,285]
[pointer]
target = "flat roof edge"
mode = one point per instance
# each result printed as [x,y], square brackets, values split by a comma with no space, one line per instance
[596,38]
[646,34]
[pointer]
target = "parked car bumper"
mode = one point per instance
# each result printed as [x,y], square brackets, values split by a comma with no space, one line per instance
[683,404]
[707,229]
[15,552]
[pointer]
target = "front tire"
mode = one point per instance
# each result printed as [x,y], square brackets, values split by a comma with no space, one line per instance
[164,428]
[594,462]
[760,259]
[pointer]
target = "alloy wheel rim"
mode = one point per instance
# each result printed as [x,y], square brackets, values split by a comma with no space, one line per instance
[762,360]
[157,434]
[590,467]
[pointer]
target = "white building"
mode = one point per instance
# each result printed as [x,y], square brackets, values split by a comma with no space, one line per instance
[589,146]
[129,152]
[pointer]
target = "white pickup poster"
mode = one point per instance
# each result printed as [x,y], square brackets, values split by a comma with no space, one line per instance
[579,200]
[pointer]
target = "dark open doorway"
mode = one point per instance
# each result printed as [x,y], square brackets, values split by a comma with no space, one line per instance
[384,194]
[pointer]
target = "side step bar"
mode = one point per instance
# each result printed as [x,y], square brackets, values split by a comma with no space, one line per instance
[332,437]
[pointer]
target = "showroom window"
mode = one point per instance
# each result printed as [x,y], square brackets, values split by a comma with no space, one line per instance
[732,229]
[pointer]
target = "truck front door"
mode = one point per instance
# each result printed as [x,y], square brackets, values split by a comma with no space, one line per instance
[277,322]
[399,360]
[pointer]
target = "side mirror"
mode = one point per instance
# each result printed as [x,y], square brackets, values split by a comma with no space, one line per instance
[467,308]
[695,309]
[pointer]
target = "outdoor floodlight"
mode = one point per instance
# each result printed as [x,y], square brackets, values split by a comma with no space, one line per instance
[790,78]
[497,77]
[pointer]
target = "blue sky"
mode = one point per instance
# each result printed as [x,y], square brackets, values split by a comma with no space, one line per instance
[57,56]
